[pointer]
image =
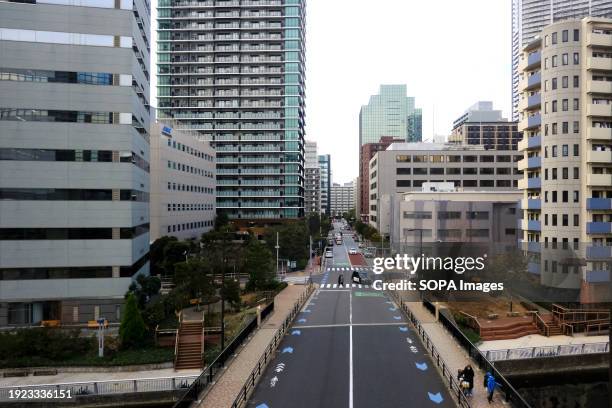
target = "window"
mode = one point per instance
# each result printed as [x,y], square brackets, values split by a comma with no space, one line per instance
[565,105]
[554,83]
[576,81]
[576,58]
[564,81]
[576,149]
[477,215]
[402,183]
[554,220]
[554,173]
[576,173]
[402,170]
[564,220]
[554,151]
[420,171]
[565,128]
[554,61]
[564,196]
[436,170]
[576,35]
[449,215]
[554,196]
[576,220]
[554,106]
[564,173]
[554,129]
[576,103]
[402,158]
[576,126]
[478,233]
[554,38]
[576,196]
[565,35]
[564,59]
[417,215]
[564,150]
[75,314]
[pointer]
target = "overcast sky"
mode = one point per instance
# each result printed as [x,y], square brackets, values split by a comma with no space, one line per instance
[449,53]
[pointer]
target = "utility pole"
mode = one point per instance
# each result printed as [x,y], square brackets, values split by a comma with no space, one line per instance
[277,248]
[310,257]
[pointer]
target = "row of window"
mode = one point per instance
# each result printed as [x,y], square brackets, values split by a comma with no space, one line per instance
[190,188]
[65,116]
[554,151]
[553,128]
[564,196]
[190,150]
[189,169]
[564,60]
[564,105]
[452,233]
[447,215]
[64,155]
[67,194]
[458,183]
[64,77]
[564,222]
[422,171]
[15,234]
[189,226]
[564,173]
[190,207]
[404,158]
[565,35]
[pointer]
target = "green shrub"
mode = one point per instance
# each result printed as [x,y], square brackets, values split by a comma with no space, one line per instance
[132,332]
[49,343]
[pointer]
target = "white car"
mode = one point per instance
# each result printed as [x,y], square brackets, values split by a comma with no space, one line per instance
[352,251]
[329,254]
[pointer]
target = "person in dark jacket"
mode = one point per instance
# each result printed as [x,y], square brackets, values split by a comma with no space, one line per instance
[340,280]
[468,375]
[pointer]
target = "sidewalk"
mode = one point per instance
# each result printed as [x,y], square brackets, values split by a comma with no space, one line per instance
[229,384]
[453,354]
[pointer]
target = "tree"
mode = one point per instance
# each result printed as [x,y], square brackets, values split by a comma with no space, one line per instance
[132,331]
[193,279]
[231,292]
[258,258]
[174,252]
[157,254]
[221,221]
[293,240]
[143,288]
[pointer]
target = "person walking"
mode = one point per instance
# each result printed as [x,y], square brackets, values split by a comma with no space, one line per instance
[340,280]
[468,375]
[490,383]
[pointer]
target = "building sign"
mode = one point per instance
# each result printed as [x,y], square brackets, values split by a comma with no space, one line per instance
[166,130]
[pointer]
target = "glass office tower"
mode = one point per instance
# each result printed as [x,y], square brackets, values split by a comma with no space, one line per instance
[234,70]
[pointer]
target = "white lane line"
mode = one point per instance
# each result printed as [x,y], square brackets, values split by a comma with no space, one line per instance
[351,349]
[323,326]
[335,284]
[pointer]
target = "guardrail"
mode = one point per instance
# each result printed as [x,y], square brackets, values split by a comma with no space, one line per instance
[203,381]
[512,395]
[447,373]
[547,351]
[107,387]
[268,354]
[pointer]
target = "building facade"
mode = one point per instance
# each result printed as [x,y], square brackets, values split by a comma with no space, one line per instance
[458,216]
[342,198]
[566,120]
[74,158]
[405,167]
[367,151]
[234,71]
[312,180]
[482,125]
[325,175]
[529,17]
[183,178]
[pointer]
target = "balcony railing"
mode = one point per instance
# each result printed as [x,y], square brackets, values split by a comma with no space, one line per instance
[599,227]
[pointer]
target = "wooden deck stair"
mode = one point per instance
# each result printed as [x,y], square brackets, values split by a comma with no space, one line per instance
[189,347]
[511,329]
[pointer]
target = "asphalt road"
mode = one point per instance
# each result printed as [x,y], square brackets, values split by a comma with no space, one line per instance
[350,347]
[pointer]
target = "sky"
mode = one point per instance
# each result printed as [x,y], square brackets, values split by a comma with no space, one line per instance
[449,53]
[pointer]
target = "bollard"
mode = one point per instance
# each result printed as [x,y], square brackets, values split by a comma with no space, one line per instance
[258,315]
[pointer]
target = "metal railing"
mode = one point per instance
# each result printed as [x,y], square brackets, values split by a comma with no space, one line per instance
[208,375]
[107,387]
[268,354]
[547,351]
[447,373]
[511,394]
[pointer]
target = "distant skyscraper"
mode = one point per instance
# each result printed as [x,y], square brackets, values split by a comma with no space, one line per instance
[325,174]
[342,198]
[390,113]
[234,70]
[529,17]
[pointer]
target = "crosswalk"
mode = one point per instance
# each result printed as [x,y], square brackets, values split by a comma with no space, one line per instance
[349,269]
[346,286]
[296,279]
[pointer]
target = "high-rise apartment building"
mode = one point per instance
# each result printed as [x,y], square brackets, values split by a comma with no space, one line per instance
[367,151]
[480,124]
[325,176]
[566,119]
[74,158]
[342,198]
[234,71]
[182,183]
[529,17]
[312,180]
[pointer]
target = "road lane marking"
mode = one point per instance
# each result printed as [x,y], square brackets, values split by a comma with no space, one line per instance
[323,326]
[335,285]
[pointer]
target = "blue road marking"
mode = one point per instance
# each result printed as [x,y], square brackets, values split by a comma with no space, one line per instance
[392,309]
[288,350]
[296,332]
[306,311]
[437,397]
[403,329]
[302,321]
[421,366]
[262,406]
[397,317]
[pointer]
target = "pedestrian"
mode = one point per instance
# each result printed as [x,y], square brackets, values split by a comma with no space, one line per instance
[490,384]
[340,280]
[468,375]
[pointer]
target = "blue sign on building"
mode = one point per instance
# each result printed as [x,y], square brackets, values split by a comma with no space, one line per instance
[166,130]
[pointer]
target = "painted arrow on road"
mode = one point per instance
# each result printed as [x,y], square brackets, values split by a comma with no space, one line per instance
[397,317]
[403,329]
[296,333]
[421,366]
[437,397]
[288,350]
[302,321]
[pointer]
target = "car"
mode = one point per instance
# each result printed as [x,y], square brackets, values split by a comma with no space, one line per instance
[352,251]
[329,254]
[361,245]
[361,278]
[368,254]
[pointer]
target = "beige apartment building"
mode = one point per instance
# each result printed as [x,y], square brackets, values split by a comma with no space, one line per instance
[182,183]
[566,118]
